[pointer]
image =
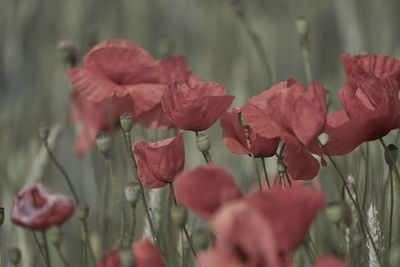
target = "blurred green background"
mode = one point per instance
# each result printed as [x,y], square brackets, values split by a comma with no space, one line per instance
[34,87]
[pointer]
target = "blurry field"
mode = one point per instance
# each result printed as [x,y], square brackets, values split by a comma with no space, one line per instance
[34,87]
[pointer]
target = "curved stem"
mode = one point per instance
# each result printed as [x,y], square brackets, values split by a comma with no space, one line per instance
[391,208]
[62,257]
[46,249]
[133,224]
[127,140]
[265,171]
[63,171]
[183,227]
[356,205]
[117,192]
[246,131]
[39,246]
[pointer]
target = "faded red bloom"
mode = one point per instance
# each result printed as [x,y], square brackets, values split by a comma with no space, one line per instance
[195,108]
[261,230]
[329,261]
[158,163]
[38,208]
[123,69]
[235,138]
[370,102]
[297,115]
[145,254]
[205,189]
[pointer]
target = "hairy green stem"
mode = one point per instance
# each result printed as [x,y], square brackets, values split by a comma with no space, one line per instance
[117,192]
[46,249]
[133,224]
[265,171]
[127,139]
[39,245]
[62,257]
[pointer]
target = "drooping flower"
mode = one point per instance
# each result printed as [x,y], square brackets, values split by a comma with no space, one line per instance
[38,208]
[261,230]
[205,189]
[235,138]
[158,163]
[122,69]
[295,114]
[370,102]
[195,108]
[145,254]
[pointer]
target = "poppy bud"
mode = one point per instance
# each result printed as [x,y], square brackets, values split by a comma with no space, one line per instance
[335,212]
[132,192]
[126,256]
[126,122]
[179,215]
[242,122]
[203,143]
[82,211]
[302,26]
[103,142]
[43,131]
[200,238]
[391,153]
[54,235]
[281,167]
[1,215]
[14,254]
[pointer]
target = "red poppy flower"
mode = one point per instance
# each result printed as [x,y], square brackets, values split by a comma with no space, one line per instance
[329,261]
[123,69]
[370,102]
[195,108]
[235,138]
[297,115]
[94,117]
[158,163]
[145,254]
[262,229]
[205,189]
[38,208]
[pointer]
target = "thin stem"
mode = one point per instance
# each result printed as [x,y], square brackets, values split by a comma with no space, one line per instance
[127,139]
[133,224]
[63,171]
[366,187]
[39,246]
[182,248]
[246,131]
[117,192]
[357,206]
[391,207]
[183,227]
[305,49]
[392,161]
[83,247]
[206,155]
[265,171]
[1,258]
[287,178]
[343,243]
[62,257]
[46,249]
[312,248]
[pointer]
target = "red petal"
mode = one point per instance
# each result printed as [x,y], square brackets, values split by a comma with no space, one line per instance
[301,165]
[147,255]
[218,258]
[233,133]
[205,189]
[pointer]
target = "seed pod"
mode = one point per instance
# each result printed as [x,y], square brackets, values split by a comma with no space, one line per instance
[302,26]
[132,192]
[179,215]
[392,152]
[103,142]
[55,236]
[335,212]
[126,122]
[201,237]
[82,211]
[14,254]
[203,143]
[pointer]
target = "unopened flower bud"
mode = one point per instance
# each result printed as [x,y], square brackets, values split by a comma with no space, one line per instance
[55,236]
[43,132]
[82,211]
[14,254]
[126,256]
[242,122]
[391,154]
[103,142]
[1,216]
[126,122]
[281,167]
[179,215]
[335,212]
[132,192]
[203,143]
[302,26]
[201,237]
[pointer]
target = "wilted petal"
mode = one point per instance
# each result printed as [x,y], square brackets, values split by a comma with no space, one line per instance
[205,189]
